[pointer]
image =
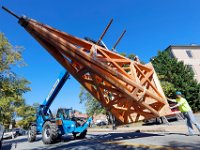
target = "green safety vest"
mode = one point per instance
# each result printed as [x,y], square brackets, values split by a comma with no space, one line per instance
[184,107]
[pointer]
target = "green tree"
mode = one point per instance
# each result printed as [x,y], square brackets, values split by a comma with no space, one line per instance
[12,87]
[131,56]
[174,75]
[28,115]
[92,105]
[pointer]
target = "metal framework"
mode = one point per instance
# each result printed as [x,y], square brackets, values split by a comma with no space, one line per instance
[126,88]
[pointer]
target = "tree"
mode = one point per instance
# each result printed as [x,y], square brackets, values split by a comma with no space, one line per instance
[175,76]
[92,105]
[12,87]
[131,56]
[28,115]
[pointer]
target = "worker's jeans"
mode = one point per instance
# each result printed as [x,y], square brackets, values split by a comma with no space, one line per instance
[190,119]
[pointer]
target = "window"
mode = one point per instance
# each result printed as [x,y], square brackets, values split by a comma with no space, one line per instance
[189,53]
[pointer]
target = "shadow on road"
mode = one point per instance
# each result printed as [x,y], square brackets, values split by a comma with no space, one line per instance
[172,133]
[107,141]
[122,136]
[101,142]
[7,143]
[183,146]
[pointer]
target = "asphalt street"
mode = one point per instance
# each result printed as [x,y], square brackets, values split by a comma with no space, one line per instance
[112,140]
[173,137]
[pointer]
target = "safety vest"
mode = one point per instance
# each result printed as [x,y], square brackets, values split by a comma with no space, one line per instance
[184,107]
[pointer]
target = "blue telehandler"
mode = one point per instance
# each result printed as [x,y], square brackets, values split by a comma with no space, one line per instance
[52,128]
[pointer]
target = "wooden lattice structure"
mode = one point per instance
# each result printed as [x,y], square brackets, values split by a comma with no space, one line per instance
[126,88]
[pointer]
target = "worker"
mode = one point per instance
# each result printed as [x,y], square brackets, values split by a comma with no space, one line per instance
[136,58]
[185,108]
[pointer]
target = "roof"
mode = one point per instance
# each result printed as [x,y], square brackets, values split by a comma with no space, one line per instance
[184,46]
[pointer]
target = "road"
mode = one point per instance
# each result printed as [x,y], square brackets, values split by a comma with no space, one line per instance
[112,140]
[149,137]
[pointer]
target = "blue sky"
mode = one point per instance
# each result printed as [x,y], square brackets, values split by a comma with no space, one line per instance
[151,25]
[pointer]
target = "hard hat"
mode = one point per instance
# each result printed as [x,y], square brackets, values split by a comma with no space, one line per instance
[178,93]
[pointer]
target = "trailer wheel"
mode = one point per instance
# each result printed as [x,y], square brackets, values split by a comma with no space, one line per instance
[82,135]
[32,133]
[50,133]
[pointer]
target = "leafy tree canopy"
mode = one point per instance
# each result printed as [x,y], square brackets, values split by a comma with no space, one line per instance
[12,87]
[175,76]
[92,105]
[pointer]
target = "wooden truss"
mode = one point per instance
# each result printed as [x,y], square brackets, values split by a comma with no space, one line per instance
[126,88]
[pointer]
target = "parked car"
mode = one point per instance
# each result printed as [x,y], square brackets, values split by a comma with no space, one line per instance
[8,134]
[102,123]
[20,131]
[1,135]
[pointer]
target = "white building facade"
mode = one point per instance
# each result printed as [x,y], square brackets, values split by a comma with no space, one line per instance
[190,55]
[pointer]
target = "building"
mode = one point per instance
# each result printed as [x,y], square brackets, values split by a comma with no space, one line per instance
[190,55]
[80,114]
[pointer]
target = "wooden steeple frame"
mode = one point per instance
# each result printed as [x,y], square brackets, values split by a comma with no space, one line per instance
[128,89]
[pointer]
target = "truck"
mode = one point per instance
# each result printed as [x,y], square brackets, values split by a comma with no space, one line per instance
[53,127]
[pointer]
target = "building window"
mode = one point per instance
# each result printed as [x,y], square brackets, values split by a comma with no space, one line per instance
[189,53]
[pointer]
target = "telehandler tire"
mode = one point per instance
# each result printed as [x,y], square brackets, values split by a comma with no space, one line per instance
[32,133]
[50,132]
[81,136]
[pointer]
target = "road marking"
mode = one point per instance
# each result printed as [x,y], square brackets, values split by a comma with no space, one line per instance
[14,145]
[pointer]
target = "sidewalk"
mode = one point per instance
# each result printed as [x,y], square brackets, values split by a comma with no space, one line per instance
[172,128]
